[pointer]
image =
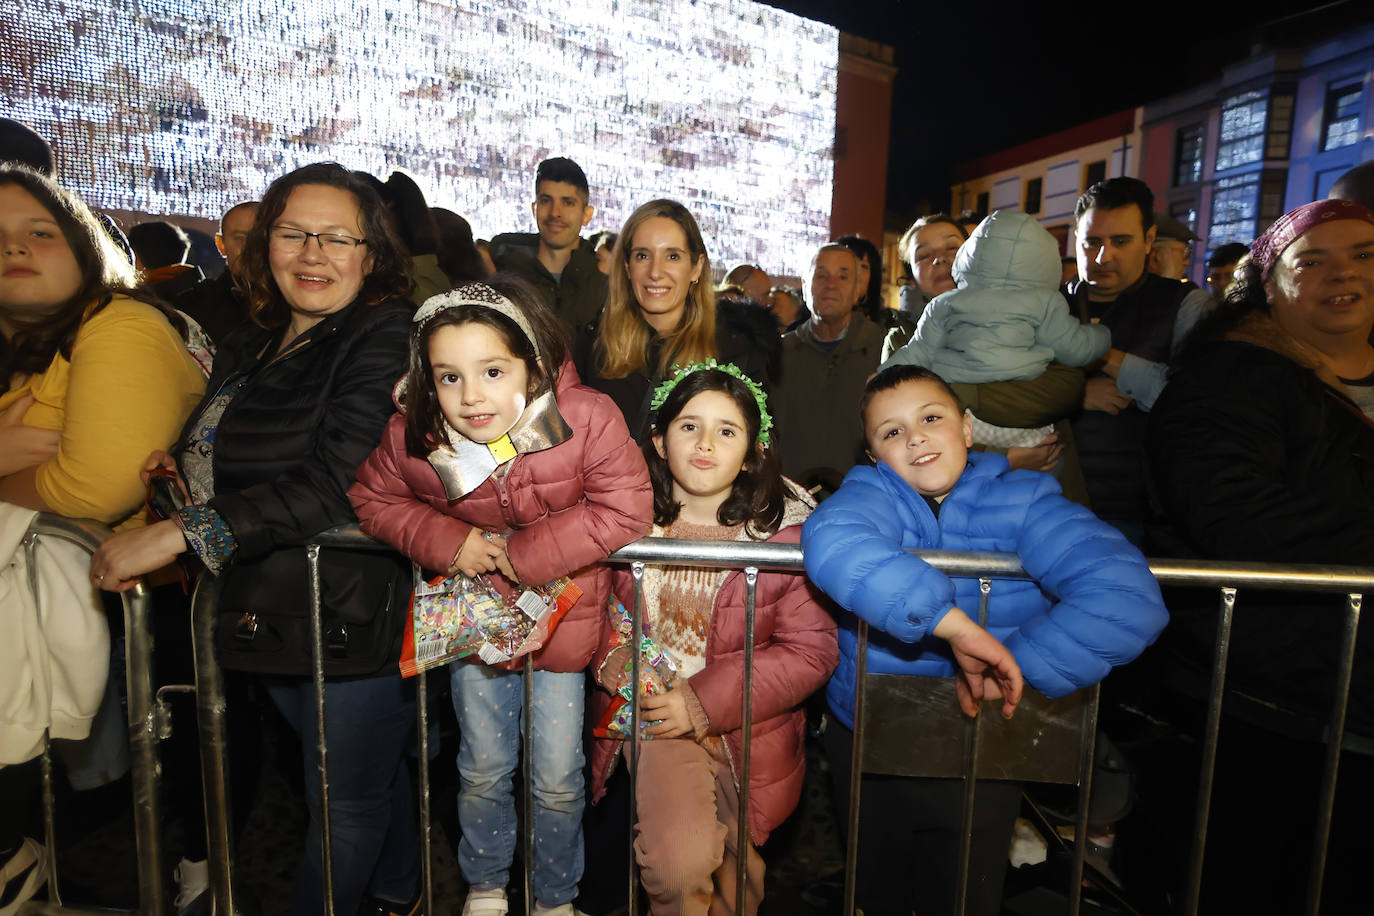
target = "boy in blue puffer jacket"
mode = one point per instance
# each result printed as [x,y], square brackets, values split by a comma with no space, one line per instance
[1090,604]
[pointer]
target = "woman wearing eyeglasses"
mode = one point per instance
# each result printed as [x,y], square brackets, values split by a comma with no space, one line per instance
[297,400]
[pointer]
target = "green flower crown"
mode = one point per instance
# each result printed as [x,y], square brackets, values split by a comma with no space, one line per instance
[681,372]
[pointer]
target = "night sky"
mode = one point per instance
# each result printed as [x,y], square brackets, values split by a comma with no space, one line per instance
[977,77]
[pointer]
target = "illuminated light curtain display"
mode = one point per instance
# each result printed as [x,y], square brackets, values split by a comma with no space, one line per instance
[185,107]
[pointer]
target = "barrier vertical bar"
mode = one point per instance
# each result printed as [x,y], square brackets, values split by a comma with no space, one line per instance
[856,760]
[1209,749]
[426,850]
[637,628]
[972,734]
[312,559]
[1086,757]
[30,545]
[214,761]
[143,742]
[1345,664]
[527,777]
[742,844]
[50,821]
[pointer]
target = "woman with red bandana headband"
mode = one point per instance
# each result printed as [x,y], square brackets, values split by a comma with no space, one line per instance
[1260,449]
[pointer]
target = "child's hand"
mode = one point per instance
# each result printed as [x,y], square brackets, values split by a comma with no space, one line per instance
[1042,456]
[981,658]
[503,562]
[670,711]
[478,554]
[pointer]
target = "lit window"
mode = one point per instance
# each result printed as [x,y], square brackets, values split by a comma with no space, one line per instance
[1188,155]
[1242,129]
[1342,117]
[1186,213]
[1235,207]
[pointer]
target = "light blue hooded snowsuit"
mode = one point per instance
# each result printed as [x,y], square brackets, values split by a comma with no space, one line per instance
[1006,320]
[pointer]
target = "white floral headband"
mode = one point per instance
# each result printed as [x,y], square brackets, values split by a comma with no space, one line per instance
[483,296]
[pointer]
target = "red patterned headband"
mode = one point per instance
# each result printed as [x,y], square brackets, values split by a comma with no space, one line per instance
[1294,224]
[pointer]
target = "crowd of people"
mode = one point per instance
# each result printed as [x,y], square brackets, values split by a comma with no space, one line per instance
[505,415]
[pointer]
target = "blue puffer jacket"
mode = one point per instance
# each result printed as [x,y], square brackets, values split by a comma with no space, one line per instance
[1093,603]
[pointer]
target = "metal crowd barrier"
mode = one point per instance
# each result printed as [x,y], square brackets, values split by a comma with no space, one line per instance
[143,730]
[1061,730]
[1050,726]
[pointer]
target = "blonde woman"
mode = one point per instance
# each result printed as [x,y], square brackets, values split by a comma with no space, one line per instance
[660,312]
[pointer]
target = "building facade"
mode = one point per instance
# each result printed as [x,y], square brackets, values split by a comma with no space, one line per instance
[863,129]
[1046,176]
[1225,157]
[1273,132]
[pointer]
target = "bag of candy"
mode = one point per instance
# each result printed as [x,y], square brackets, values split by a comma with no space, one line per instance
[455,616]
[657,671]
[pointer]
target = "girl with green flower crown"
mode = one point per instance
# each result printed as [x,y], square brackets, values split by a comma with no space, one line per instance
[715,478]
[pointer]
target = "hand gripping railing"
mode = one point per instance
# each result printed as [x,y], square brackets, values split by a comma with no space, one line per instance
[143,726]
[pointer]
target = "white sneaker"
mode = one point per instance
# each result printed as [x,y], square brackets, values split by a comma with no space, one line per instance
[31,858]
[486,903]
[193,879]
[566,909]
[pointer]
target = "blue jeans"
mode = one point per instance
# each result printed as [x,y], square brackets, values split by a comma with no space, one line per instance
[372,814]
[488,703]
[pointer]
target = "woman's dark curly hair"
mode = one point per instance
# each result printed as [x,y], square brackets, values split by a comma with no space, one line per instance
[424,417]
[104,271]
[757,495]
[1243,297]
[388,276]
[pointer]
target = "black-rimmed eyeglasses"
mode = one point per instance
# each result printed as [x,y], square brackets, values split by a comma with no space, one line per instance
[287,239]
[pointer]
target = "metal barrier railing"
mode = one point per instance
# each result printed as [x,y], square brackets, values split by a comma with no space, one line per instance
[753,557]
[143,728]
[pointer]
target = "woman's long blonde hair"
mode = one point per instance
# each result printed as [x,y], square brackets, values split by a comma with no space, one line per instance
[622,339]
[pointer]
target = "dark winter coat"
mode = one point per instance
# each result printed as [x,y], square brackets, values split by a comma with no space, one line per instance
[1253,456]
[287,446]
[578,294]
[1141,320]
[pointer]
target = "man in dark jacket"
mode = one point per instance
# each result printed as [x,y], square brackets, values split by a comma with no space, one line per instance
[216,304]
[556,260]
[1149,316]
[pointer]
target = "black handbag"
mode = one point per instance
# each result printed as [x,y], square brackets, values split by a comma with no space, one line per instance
[262,619]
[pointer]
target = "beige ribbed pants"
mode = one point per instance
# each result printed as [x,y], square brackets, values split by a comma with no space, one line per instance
[685,840]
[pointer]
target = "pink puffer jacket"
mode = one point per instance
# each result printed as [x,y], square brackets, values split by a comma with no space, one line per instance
[794,653]
[567,507]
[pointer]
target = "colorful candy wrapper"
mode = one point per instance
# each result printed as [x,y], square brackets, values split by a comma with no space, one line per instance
[456,616]
[657,671]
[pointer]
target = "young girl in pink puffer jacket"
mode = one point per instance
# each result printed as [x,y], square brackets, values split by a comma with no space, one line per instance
[500,462]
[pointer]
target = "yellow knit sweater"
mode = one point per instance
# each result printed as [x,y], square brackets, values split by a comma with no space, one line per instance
[125,392]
